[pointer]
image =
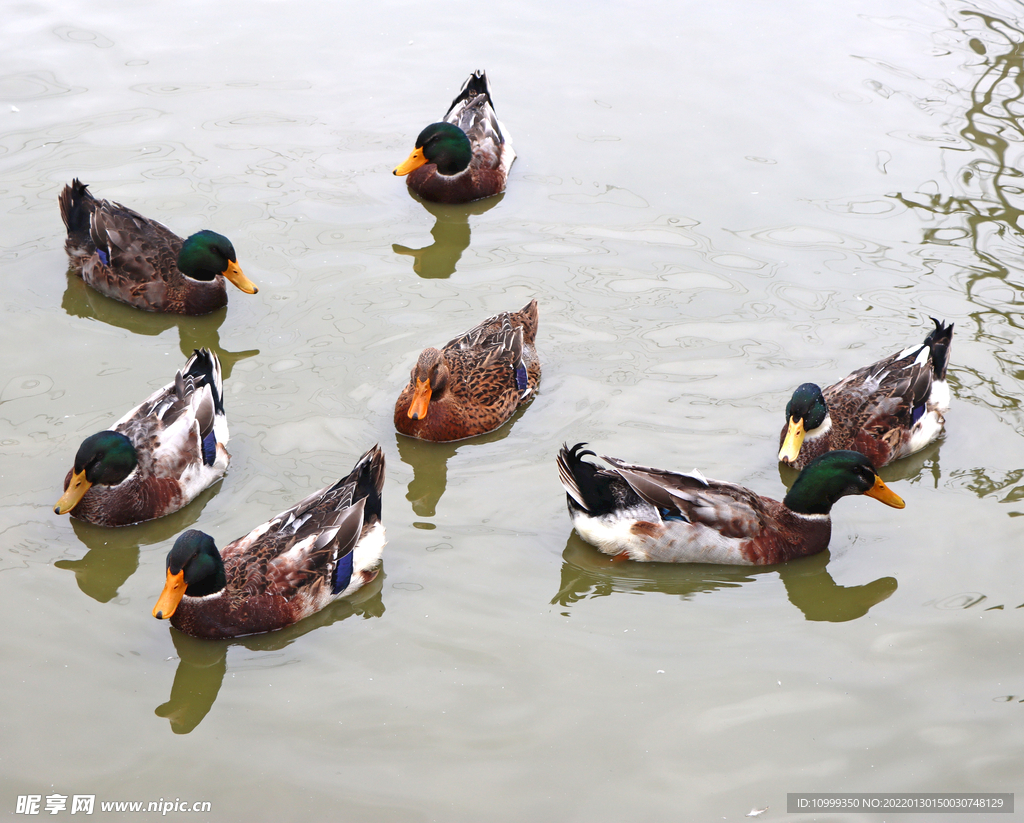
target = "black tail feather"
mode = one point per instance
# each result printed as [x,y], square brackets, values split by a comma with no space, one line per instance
[369,477]
[587,487]
[205,367]
[76,207]
[939,341]
[475,85]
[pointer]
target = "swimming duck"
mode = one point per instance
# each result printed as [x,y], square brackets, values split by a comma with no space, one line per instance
[466,157]
[323,548]
[140,262]
[639,513]
[157,457]
[475,383]
[886,411]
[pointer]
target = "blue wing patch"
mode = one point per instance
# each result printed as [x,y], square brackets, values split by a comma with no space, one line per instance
[342,574]
[104,258]
[522,381]
[667,514]
[209,448]
[917,413]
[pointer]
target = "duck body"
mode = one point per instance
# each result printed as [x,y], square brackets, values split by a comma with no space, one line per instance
[141,262]
[465,157]
[640,513]
[325,547]
[886,411]
[475,383]
[157,457]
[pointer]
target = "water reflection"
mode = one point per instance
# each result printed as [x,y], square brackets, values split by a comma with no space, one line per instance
[451,237]
[977,221]
[202,664]
[587,573]
[429,462]
[113,554]
[193,332]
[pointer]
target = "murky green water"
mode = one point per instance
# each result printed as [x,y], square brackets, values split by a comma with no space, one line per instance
[712,203]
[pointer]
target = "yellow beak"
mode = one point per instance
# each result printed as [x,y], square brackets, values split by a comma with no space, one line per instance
[412,162]
[234,273]
[170,597]
[73,493]
[420,400]
[794,440]
[886,495]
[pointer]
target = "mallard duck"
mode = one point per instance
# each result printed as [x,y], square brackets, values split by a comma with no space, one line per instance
[475,383]
[638,513]
[466,157]
[140,262]
[157,457]
[325,547]
[885,411]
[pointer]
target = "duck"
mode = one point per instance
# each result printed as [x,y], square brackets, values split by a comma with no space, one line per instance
[639,513]
[156,458]
[325,547]
[475,383]
[885,411]
[465,157]
[141,262]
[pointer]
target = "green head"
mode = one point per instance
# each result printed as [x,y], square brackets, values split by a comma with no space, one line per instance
[105,458]
[443,144]
[194,567]
[805,411]
[206,254]
[807,404]
[834,475]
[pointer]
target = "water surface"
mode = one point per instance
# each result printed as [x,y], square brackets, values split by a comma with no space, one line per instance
[712,204]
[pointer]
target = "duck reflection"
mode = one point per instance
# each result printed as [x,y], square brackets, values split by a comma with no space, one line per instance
[587,573]
[451,237]
[202,664]
[193,332]
[429,462]
[113,554]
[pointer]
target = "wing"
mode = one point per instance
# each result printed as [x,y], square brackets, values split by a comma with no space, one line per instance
[729,509]
[136,254]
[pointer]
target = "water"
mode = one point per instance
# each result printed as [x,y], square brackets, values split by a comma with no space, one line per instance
[712,204]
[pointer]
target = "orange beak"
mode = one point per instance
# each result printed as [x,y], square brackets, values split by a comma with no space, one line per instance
[170,597]
[73,493]
[886,495]
[234,273]
[420,400]
[412,162]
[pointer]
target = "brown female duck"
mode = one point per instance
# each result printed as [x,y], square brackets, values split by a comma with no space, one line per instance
[475,383]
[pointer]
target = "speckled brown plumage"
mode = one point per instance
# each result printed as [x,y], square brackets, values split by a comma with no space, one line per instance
[141,257]
[286,569]
[476,381]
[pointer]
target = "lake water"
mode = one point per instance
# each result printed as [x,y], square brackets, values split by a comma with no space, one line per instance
[712,204]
